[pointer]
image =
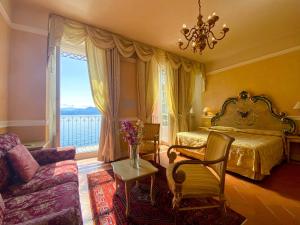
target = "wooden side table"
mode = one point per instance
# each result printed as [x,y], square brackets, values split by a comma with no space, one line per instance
[291,139]
[123,171]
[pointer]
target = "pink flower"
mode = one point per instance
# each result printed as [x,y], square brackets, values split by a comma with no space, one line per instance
[132,133]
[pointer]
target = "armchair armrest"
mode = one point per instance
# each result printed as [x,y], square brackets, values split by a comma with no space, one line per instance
[52,155]
[179,176]
[172,155]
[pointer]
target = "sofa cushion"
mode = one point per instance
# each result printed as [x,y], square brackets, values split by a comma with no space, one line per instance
[56,205]
[47,176]
[2,208]
[7,142]
[22,162]
[4,173]
[52,155]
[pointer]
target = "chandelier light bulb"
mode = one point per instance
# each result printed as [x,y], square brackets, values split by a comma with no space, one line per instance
[213,39]
[183,26]
[194,44]
[224,25]
[214,14]
[209,17]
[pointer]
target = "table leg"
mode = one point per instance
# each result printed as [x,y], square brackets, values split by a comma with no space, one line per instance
[151,189]
[288,151]
[117,182]
[127,194]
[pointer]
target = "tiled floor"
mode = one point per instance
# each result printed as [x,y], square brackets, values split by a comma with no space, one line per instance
[274,201]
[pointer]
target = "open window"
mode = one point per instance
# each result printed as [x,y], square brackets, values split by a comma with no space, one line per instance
[79,119]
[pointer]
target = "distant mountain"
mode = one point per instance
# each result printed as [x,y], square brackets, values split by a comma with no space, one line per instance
[79,111]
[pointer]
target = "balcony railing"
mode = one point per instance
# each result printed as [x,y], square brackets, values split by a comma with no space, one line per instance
[81,131]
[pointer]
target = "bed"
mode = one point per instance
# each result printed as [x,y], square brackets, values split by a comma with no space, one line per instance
[259,133]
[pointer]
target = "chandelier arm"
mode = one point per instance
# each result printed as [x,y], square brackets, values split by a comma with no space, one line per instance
[187,45]
[220,38]
[190,33]
[208,44]
[210,26]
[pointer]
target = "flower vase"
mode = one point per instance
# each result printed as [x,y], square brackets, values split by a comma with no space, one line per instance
[134,155]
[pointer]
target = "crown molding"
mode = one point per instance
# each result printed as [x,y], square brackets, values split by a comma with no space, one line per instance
[20,27]
[271,55]
[22,123]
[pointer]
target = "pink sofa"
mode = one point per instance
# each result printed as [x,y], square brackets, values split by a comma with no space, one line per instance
[51,197]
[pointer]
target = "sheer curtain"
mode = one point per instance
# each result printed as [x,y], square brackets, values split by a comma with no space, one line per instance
[172,97]
[104,75]
[53,68]
[147,88]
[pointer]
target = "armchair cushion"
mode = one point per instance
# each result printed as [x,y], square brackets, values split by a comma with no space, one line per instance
[200,181]
[52,155]
[47,176]
[22,162]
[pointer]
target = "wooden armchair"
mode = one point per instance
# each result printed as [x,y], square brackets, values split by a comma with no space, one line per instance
[150,143]
[197,178]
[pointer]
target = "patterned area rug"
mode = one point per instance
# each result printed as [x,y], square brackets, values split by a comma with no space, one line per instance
[109,208]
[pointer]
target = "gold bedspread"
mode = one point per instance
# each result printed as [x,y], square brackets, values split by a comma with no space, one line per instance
[252,154]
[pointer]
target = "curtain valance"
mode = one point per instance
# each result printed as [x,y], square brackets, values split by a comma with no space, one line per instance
[77,33]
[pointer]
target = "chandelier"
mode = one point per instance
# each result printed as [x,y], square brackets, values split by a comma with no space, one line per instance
[201,34]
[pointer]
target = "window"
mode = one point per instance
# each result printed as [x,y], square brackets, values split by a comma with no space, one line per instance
[79,118]
[162,111]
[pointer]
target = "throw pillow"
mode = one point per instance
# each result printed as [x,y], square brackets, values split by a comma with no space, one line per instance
[22,162]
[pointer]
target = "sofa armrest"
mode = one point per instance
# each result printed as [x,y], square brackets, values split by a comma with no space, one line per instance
[52,155]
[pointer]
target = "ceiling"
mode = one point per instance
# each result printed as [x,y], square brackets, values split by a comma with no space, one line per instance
[257,27]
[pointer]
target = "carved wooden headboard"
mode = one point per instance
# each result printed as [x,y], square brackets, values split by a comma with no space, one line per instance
[252,112]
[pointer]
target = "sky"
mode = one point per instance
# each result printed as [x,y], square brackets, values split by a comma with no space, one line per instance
[75,88]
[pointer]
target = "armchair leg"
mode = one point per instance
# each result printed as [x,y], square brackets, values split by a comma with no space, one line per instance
[176,201]
[223,205]
[158,155]
[176,205]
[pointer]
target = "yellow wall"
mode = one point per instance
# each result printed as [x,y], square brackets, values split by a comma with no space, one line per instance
[27,85]
[277,78]
[4,70]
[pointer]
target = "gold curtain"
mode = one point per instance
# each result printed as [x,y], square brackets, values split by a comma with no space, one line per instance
[186,86]
[147,86]
[104,76]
